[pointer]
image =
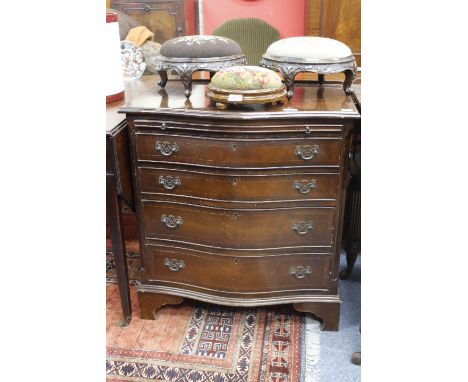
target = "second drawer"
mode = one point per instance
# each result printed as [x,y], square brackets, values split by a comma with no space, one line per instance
[232,186]
[239,228]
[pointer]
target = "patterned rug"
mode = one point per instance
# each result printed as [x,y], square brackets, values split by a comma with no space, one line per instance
[197,342]
[133,264]
[130,227]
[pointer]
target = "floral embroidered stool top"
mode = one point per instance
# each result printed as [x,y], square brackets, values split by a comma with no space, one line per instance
[246,78]
[246,84]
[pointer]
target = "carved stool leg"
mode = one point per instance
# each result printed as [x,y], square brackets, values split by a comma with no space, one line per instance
[321,79]
[163,75]
[349,77]
[289,81]
[351,256]
[186,78]
[150,302]
[329,313]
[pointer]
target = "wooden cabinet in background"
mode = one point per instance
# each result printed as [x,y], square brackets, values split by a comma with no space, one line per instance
[338,19]
[165,18]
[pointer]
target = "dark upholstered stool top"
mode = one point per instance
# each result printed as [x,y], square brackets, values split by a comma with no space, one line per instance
[200,46]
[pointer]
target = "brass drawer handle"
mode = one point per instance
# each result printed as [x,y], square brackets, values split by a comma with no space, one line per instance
[304,188]
[302,227]
[300,271]
[166,148]
[174,264]
[171,221]
[307,152]
[169,182]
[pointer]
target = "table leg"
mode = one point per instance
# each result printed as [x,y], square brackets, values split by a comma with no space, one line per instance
[352,233]
[351,255]
[356,358]
[114,213]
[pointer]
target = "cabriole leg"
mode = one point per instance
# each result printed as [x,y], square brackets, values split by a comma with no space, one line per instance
[163,75]
[321,79]
[289,82]
[349,77]
[187,81]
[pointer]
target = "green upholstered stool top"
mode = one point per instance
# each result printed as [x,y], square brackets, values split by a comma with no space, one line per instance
[253,35]
[246,78]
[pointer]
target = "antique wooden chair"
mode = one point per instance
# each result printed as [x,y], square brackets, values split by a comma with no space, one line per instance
[253,35]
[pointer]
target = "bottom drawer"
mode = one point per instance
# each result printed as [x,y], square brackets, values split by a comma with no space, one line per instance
[186,269]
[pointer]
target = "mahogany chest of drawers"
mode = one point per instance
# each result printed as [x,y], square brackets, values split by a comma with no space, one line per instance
[241,207]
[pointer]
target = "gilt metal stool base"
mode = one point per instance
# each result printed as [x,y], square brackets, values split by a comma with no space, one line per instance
[290,67]
[185,67]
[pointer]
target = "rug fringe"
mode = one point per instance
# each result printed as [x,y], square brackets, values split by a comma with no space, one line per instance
[312,349]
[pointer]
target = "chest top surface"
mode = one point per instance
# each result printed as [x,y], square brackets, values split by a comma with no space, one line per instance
[144,96]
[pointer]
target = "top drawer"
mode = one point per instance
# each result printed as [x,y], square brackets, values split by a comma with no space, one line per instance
[241,152]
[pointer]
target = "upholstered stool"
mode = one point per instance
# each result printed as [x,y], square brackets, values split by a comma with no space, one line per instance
[188,54]
[310,54]
[246,85]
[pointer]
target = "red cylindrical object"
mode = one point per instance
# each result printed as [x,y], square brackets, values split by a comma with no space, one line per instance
[112,17]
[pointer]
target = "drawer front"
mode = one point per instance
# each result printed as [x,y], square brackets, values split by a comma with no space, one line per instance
[239,228]
[231,186]
[238,274]
[249,153]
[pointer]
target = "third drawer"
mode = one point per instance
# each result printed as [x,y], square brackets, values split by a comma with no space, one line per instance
[239,228]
